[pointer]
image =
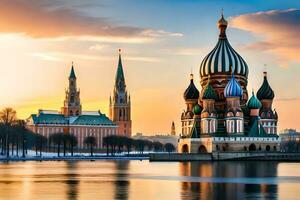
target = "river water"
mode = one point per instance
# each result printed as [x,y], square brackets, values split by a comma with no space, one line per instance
[143,180]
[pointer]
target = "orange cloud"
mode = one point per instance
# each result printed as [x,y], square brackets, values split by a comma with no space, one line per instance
[279,30]
[39,20]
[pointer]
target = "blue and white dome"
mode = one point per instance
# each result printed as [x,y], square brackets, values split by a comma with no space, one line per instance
[233,88]
[223,56]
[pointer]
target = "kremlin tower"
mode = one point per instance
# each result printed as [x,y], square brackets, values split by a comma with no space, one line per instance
[72,105]
[120,103]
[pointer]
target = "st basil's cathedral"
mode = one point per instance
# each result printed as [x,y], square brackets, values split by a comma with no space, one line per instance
[220,117]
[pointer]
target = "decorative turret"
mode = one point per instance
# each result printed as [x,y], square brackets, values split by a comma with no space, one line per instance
[191,94]
[234,114]
[209,92]
[253,102]
[233,89]
[268,116]
[208,114]
[265,91]
[254,105]
[222,24]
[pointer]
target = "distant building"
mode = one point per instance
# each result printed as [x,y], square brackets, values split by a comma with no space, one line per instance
[289,135]
[173,130]
[72,120]
[222,118]
[120,104]
[158,137]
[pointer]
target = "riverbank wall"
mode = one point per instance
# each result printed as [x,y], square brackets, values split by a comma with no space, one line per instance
[219,156]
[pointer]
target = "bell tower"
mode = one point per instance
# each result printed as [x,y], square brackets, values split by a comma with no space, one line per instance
[72,105]
[120,103]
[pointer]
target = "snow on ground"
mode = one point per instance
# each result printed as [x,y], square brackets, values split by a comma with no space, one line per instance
[31,155]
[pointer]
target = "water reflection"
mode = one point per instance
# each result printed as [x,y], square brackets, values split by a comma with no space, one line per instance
[233,170]
[72,181]
[121,180]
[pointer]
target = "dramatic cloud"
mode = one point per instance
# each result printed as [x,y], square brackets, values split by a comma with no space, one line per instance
[39,20]
[279,29]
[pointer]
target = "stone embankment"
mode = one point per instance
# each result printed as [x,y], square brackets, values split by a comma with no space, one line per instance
[219,156]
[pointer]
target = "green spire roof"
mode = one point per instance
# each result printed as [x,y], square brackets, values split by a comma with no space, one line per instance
[120,73]
[209,92]
[253,102]
[72,73]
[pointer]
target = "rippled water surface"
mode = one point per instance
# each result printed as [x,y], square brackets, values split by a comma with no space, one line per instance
[142,180]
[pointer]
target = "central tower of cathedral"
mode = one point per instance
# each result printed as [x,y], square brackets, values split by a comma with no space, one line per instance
[119,104]
[219,66]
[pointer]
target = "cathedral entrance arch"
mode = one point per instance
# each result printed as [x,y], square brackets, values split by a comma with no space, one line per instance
[202,149]
[185,148]
[252,147]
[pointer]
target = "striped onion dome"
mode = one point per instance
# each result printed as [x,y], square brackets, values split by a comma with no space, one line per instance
[223,56]
[209,92]
[265,91]
[233,88]
[253,102]
[191,93]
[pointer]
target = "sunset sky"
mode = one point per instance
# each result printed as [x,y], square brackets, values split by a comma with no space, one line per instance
[162,41]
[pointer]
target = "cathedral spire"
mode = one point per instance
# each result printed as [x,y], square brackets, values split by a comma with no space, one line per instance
[120,80]
[72,73]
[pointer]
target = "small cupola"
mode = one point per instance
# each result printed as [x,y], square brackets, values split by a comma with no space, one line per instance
[265,91]
[233,88]
[253,102]
[191,93]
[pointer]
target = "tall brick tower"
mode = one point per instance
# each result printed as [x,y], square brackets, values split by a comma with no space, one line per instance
[72,105]
[119,104]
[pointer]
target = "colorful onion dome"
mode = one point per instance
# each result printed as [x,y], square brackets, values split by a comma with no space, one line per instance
[223,56]
[197,109]
[209,92]
[265,91]
[191,93]
[233,88]
[253,102]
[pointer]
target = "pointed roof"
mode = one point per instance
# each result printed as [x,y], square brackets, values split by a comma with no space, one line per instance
[233,88]
[72,73]
[209,92]
[253,102]
[191,93]
[265,91]
[120,73]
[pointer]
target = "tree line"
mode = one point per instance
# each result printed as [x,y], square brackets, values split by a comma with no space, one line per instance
[118,144]
[16,140]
